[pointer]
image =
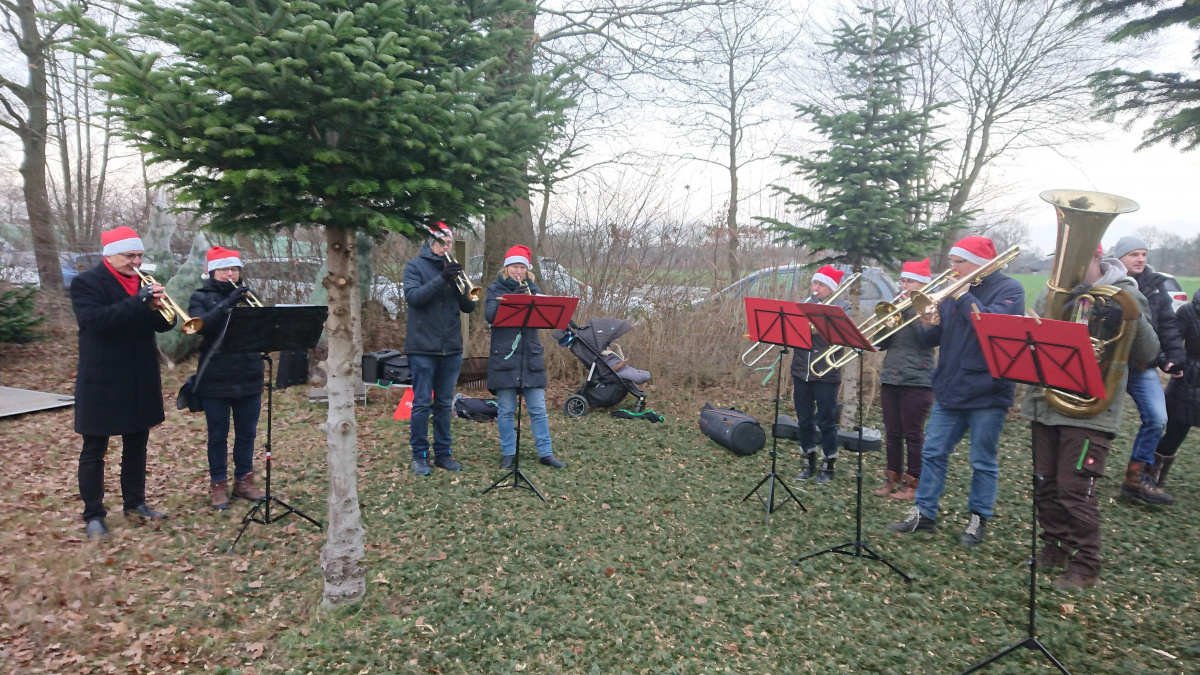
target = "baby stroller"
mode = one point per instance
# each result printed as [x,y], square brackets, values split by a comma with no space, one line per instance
[603,388]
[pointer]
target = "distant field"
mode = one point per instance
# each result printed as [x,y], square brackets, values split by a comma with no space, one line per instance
[1033,285]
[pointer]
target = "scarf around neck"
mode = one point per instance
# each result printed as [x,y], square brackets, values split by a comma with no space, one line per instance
[130,284]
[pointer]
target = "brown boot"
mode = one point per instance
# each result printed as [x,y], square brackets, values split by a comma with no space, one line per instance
[243,488]
[891,480]
[1162,466]
[220,494]
[1072,580]
[1052,557]
[1139,485]
[908,488]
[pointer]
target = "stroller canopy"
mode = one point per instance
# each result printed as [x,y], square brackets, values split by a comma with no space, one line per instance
[597,334]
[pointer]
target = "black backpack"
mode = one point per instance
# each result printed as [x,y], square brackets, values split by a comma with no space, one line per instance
[475,409]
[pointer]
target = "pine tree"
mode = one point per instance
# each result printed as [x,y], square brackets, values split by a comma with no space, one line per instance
[359,117]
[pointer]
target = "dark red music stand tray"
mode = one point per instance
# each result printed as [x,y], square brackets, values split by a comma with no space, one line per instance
[837,327]
[529,312]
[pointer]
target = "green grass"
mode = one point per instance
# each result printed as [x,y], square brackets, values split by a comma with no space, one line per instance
[1033,284]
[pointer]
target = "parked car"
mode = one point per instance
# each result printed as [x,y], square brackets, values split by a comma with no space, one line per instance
[556,275]
[73,264]
[793,282]
[1178,297]
[290,281]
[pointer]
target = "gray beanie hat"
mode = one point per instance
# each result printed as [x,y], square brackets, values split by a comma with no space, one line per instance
[1127,244]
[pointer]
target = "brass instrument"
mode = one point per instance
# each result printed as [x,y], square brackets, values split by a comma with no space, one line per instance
[888,320]
[250,299]
[170,309]
[463,282]
[767,347]
[1083,218]
[926,304]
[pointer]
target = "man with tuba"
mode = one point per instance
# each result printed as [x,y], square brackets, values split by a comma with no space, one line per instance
[816,397]
[118,387]
[1069,452]
[227,384]
[433,343]
[965,395]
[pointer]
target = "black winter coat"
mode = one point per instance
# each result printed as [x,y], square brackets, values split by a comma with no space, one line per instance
[1183,393]
[504,363]
[802,358]
[118,387]
[1162,311]
[434,327]
[225,375]
[908,363]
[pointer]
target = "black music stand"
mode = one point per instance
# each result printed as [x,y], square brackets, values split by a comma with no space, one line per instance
[776,322]
[838,328]
[1042,353]
[265,330]
[529,311]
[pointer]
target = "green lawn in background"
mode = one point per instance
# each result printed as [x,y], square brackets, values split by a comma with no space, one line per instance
[1033,284]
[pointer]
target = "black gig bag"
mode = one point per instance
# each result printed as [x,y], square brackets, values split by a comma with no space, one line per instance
[732,429]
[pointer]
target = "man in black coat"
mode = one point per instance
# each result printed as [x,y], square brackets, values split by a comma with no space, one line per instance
[118,388]
[433,343]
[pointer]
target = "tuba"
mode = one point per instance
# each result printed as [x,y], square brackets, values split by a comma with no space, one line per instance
[1082,219]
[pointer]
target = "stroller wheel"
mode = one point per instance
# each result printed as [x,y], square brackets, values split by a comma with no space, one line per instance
[576,406]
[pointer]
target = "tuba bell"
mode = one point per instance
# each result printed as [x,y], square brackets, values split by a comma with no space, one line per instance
[1083,218]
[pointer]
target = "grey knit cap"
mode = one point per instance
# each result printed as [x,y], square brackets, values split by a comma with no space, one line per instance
[1127,244]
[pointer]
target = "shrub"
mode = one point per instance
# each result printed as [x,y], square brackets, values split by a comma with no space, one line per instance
[17,315]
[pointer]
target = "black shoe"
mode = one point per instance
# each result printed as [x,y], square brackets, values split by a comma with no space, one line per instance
[96,529]
[826,471]
[976,531]
[551,460]
[447,463]
[810,465]
[421,467]
[915,522]
[506,461]
[144,511]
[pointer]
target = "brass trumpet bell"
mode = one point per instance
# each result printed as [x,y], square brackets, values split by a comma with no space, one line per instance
[171,309]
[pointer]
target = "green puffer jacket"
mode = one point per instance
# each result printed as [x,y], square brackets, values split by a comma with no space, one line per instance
[1144,349]
[907,363]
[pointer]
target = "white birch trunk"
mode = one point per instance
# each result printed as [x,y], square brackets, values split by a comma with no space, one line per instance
[345,576]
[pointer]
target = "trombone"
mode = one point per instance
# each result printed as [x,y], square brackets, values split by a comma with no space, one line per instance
[926,304]
[170,309]
[463,282]
[767,347]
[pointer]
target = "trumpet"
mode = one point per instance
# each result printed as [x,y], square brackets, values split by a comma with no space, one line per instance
[926,304]
[250,299]
[463,282]
[170,309]
[767,347]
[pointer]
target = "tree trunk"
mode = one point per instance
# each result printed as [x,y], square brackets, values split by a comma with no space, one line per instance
[502,234]
[731,214]
[345,576]
[850,383]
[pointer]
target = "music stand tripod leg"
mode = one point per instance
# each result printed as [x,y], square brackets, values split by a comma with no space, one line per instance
[516,473]
[773,477]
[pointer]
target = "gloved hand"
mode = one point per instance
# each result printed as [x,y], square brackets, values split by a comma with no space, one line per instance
[238,294]
[145,294]
[451,270]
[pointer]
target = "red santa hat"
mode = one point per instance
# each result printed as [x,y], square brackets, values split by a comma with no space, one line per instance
[917,271]
[518,255]
[220,258]
[977,250]
[830,276]
[440,230]
[120,240]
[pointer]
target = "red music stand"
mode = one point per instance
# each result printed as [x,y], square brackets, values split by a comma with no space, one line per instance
[1042,353]
[529,312]
[838,328]
[776,322]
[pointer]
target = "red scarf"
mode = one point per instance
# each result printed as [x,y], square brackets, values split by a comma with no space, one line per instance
[130,284]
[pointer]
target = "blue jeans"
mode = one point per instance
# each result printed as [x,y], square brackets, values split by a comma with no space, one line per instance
[535,402]
[245,427]
[1151,401]
[944,430]
[432,376]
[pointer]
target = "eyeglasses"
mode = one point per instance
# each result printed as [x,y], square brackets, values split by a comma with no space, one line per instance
[134,256]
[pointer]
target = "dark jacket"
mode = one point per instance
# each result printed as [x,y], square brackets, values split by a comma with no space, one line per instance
[802,359]
[1183,393]
[961,380]
[1162,316]
[505,368]
[434,327]
[225,375]
[907,363]
[118,388]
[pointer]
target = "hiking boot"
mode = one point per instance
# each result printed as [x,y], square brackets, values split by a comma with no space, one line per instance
[891,481]
[908,488]
[143,511]
[914,522]
[96,529]
[1162,466]
[551,460]
[421,467]
[220,494]
[1139,485]
[975,532]
[810,465]
[506,461]
[1072,580]
[1051,557]
[447,463]
[243,488]
[826,474]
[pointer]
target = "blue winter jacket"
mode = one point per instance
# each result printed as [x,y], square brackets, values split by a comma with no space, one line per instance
[433,326]
[961,380]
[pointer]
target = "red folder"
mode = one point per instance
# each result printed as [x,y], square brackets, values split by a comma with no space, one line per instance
[1041,352]
[778,322]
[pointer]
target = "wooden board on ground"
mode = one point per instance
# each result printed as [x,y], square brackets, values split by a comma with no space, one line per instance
[20,401]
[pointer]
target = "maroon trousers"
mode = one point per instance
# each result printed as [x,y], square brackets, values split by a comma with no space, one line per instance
[1069,461]
[905,410]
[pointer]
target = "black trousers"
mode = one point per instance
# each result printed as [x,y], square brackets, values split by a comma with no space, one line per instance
[133,473]
[816,413]
[1172,438]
